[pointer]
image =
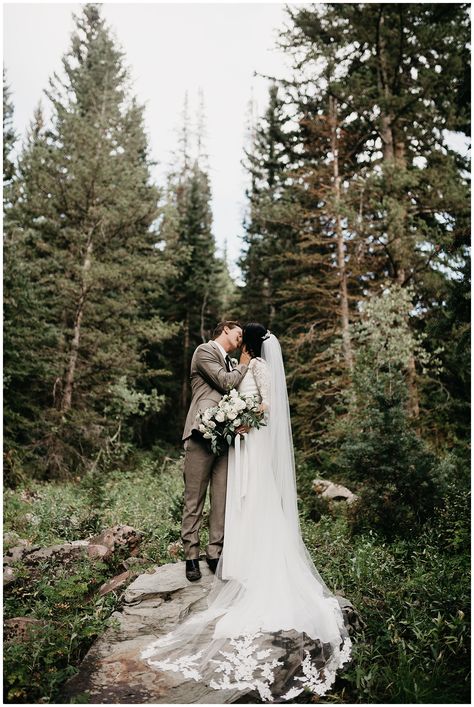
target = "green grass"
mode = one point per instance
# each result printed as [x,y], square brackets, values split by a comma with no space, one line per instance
[412,595]
[414,599]
[147,497]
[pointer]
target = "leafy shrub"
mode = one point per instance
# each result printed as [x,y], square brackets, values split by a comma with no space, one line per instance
[62,597]
[413,598]
[402,483]
[400,480]
[412,594]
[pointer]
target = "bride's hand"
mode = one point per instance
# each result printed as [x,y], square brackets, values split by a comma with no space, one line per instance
[245,357]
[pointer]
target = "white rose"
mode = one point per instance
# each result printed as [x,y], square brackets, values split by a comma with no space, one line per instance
[220,417]
[232,415]
[202,428]
[233,393]
[207,435]
[211,424]
[237,422]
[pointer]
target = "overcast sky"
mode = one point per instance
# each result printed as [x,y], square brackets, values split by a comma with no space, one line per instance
[170,49]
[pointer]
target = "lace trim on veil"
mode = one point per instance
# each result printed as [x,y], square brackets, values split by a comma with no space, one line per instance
[248,667]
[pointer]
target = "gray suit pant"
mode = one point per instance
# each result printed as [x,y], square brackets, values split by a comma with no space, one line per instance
[201,467]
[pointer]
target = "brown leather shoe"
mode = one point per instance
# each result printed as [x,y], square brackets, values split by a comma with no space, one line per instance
[193,573]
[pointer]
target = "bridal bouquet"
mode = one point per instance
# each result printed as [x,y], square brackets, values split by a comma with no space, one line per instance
[219,424]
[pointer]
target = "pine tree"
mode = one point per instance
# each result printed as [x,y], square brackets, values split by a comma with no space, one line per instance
[9,138]
[446,398]
[269,223]
[195,297]
[87,208]
[28,336]
[380,194]
[397,67]
[302,244]
[393,79]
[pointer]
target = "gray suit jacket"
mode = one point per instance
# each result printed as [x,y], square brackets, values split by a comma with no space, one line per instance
[210,380]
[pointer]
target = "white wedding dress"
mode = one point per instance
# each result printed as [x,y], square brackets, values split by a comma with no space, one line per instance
[271,625]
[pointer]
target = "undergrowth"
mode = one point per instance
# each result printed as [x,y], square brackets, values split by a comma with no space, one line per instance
[412,594]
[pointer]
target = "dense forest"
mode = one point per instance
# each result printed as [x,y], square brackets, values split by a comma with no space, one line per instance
[356,255]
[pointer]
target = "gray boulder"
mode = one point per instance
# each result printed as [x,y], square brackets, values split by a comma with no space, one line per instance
[333,492]
[99,547]
[112,671]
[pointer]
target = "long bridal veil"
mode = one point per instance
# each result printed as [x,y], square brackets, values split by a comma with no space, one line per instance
[271,624]
[281,446]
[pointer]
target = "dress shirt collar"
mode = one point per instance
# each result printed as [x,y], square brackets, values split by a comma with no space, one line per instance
[221,349]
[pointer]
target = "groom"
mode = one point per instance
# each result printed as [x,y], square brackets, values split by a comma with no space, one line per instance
[212,375]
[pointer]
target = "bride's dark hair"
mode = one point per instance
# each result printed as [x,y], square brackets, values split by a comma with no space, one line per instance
[252,336]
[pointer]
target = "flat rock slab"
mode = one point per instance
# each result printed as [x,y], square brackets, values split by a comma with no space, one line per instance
[112,671]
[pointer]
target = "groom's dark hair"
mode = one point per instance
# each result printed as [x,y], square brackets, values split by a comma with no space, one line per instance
[220,327]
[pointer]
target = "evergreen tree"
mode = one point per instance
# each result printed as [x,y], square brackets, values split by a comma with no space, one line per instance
[9,138]
[380,193]
[446,399]
[28,337]
[323,285]
[269,223]
[196,295]
[401,480]
[87,208]
[400,74]
[301,242]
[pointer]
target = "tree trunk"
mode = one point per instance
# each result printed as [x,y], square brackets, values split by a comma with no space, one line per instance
[386,119]
[346,339]
[203,316]
[413,398]
[184,385]
[394,157]
[400,163]
[73,354]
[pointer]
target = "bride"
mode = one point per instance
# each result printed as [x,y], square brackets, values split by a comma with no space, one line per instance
[271,625]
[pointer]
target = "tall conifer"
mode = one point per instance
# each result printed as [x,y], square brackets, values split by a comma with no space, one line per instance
[9,136]
[195,296]
[269,224]
[376,193]
[87,207]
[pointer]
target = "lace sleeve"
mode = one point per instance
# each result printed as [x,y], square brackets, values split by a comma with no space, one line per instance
[262,379]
